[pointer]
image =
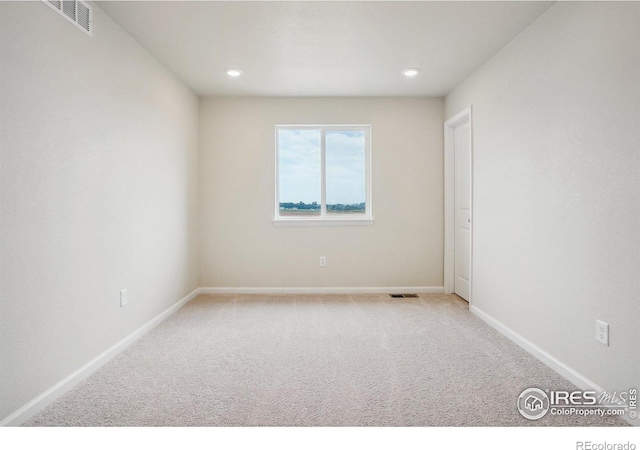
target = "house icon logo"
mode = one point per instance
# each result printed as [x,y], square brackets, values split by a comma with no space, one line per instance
[533,403]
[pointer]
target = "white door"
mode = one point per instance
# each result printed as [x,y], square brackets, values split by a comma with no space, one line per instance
[462,207]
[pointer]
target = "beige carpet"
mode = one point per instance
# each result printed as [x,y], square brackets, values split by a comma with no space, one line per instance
[314,360]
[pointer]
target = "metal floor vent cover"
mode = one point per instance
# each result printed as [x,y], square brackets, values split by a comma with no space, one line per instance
[403,295]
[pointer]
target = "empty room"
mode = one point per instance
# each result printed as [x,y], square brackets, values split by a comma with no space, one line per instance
[320,214]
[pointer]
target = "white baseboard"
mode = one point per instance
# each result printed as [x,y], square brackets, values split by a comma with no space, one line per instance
[555,364]
[324,290]
[50,395]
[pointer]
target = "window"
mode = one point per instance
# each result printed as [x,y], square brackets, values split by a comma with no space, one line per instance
[322,174]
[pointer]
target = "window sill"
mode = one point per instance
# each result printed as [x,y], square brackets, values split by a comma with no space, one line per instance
[307,222]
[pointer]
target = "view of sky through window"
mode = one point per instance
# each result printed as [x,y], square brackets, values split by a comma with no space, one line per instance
[300,171]
[299,166]
[345,171]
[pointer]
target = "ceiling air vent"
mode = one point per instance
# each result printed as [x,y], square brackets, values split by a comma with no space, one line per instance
[75,11]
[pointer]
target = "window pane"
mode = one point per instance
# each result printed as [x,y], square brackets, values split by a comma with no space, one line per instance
[345,160]
[299,172]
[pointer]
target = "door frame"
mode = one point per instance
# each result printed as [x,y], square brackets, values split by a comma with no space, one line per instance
[449,200]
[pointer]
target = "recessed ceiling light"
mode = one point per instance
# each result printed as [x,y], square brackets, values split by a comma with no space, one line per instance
[234,72]
[410,72]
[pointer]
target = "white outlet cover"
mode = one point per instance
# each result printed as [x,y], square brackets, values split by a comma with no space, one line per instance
[602,332]
[123,298]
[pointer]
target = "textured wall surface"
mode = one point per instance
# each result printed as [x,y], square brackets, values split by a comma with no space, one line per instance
[557,186]
[98,185]
[242,248]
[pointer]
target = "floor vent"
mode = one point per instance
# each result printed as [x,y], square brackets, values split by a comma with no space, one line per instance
[75,11]
[403,295]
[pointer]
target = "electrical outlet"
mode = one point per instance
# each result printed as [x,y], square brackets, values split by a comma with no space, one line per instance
[323,261]
[123,298]
[602,332]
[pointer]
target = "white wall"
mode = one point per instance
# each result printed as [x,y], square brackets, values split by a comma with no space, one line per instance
[242,248]
[98,179]
[557,186]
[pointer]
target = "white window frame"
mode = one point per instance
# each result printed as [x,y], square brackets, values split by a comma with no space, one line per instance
[323,219]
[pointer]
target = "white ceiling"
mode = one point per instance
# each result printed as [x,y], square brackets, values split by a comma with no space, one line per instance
[339,48]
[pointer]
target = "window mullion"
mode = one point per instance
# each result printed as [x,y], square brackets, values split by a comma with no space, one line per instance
[323,173]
